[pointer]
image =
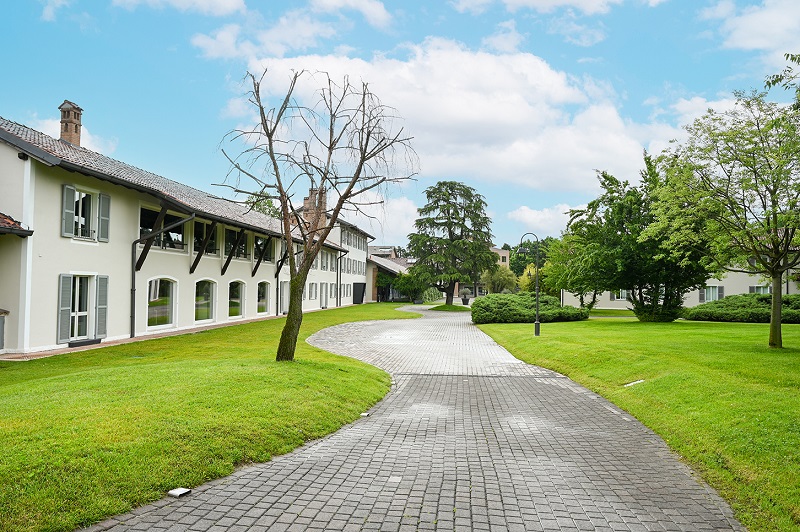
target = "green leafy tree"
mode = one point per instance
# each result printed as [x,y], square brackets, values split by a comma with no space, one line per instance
[264,205]
[735,183]
[340,146]
[498,280]
[519,261]
[453,239]
[578,267]
[410,285]
[788,79]
[613,224]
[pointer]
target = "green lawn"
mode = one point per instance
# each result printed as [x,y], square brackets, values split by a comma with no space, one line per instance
[96,433]
[451,308]
[714,391]
[611,313]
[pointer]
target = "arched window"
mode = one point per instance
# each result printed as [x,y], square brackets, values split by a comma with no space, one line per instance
[160,302]
[235,298]
[204,300]
[263,297]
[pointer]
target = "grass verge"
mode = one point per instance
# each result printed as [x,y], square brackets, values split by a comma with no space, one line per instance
[96,433]
[452,308]
[714,391]
[611,313]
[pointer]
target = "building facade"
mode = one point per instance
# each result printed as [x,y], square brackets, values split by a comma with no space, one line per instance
[732,284]
[93,249]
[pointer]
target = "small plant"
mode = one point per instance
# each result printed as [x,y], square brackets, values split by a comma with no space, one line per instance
[465,292]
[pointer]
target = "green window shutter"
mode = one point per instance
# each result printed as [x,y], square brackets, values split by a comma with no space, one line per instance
[103,217]
[720,292]
[68,211]
[64,308]
[613,296]
[101,312]
[702,295]
[751,289]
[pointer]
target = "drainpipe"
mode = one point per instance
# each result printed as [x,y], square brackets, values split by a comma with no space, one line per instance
[339,278]
[133,264]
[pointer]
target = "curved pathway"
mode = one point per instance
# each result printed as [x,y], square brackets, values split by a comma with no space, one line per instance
[469,438]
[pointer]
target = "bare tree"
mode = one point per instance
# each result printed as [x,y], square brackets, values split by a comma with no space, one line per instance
[345,144]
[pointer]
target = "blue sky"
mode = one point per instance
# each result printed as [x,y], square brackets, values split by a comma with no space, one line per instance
[520,99]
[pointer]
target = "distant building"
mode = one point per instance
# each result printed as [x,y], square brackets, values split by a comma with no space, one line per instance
[733,283]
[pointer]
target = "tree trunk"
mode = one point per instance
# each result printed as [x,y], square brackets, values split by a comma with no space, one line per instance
[775,337]
[294,318]
[449,293]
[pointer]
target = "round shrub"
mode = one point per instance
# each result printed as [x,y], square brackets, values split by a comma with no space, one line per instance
[749,308]
[521,308]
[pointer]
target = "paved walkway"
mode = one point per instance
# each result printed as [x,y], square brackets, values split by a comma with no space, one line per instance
[469,438]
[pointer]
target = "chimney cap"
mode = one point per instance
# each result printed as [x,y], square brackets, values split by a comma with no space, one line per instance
[69,105]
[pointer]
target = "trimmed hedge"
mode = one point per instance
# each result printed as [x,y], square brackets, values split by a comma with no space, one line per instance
[750,308]
[521,308]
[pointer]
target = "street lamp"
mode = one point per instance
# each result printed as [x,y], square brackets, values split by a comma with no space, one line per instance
[524,251]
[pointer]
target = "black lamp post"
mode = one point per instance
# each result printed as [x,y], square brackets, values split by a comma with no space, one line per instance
[524,251]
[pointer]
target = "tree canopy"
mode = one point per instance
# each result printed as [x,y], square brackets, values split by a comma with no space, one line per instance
[611,230]
[519,261]
[735,184]
[498,280]
[453,239]
[576,266]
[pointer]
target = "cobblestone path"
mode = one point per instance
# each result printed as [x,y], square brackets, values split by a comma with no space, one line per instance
[469,438]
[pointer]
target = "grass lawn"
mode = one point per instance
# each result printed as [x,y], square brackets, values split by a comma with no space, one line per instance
[714,391]
[452,308]
[96,433]
[611,313]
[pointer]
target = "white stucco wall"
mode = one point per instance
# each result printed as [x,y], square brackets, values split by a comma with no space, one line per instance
[733,283]
[46,255]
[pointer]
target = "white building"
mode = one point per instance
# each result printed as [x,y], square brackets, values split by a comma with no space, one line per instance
[732,284]
[93,249]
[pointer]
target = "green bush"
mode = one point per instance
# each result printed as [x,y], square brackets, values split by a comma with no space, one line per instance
[750,308]
[521,308]
[430,295]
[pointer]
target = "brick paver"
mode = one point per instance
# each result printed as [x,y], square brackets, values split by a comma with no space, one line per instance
[469,438]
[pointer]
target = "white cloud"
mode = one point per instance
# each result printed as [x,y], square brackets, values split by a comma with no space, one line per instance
[294,31]
[588,7]
[550,221]
[506,39]
[373,11]
[472,6]
[721,10]
[499,119]
[772,28]
[207,7]
[388,219]
[50,8]
[52,127]
[223,43]
[689,109]
[575,33]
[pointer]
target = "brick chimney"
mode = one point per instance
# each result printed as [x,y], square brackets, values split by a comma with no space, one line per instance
[70,122]
[310,209]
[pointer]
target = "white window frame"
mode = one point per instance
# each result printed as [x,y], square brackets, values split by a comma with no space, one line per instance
[212,303]
[266,297]
[242,299]
[173,303]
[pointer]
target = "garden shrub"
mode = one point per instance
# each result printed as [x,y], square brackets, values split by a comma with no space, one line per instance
[750,308]
[430,295]
[521,308]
